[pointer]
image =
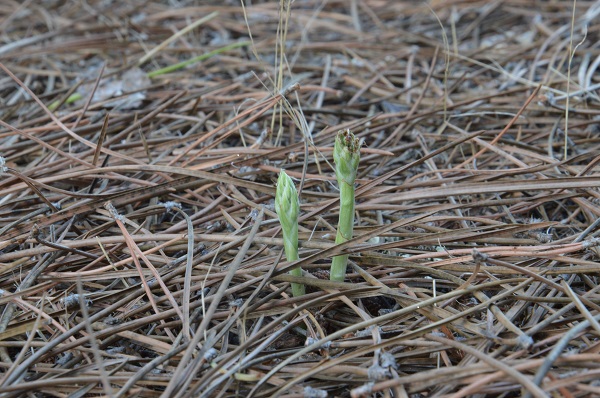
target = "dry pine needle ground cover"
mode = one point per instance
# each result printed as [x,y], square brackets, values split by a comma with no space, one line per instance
[140,254]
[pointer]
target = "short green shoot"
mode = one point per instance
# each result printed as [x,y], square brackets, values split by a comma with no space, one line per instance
[286,206]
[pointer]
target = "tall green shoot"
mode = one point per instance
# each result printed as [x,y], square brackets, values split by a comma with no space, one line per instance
[346,155]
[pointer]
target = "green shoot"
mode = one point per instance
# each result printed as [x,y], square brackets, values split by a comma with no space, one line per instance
[346,155]
[286,206]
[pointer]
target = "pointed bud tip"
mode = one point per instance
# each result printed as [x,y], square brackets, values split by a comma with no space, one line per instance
[286,198]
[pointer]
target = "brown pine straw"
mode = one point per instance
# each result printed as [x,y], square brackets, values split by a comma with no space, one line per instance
[140,253]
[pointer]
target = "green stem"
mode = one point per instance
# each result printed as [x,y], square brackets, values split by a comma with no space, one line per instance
[290,245]
[72,98]
[173,68]
[345,228]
